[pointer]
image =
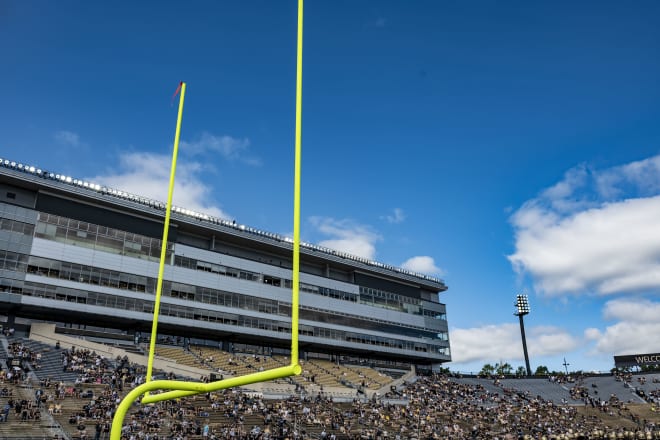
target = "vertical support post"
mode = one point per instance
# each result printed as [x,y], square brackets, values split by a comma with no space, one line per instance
[163,250]
[179,389]
[296,192]
[524,342]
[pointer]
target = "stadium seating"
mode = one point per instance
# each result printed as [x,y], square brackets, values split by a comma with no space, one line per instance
[455,406]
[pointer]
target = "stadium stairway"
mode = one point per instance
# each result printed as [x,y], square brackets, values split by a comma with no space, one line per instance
[43,428]
[556,393]
[605,386]
[646,383]
[45,333]
[487,384]
[4,345]
[51,362]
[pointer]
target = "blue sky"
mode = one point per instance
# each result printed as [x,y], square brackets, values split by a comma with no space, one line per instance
[506,147]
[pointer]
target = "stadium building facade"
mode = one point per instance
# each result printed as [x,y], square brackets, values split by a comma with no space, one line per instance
[74,252]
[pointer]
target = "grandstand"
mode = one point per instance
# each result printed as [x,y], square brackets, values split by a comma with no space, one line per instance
[418,407]
[77,280]
[86,257]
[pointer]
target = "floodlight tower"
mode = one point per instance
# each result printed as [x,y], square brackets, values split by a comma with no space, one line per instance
[522,309]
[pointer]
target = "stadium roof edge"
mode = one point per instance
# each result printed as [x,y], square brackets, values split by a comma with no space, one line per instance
[91,187]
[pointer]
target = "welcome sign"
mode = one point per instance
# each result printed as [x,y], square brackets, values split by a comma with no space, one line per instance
[637,360]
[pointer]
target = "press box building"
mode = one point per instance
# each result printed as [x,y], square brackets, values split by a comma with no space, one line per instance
[74,252]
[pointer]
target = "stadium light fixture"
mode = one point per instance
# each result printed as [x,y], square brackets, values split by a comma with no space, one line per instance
[522,305]
[522,309]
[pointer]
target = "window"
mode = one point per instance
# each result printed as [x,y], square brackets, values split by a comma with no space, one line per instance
[272,281]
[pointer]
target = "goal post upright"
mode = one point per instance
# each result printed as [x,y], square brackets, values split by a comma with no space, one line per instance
[174,388]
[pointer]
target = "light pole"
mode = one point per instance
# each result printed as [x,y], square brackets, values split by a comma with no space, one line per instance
[522,309]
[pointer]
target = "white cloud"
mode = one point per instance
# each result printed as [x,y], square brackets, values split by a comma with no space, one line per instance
[628,338]
[347,236]
[229,147]
[639,310]
[397,216]
[633,332]
[550,340]
[360,240]
[593,232]
[492,343]
[148,175]
[67,138]
[422,264]
[644,175]
[592,334]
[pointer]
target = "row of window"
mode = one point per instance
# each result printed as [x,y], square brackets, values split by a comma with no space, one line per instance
[367,296]
[186,312]
[232,272]
[13,261]
[105,239]
[124,281]
[101,238]
[16,226]
[346,320]
[109,239]
[87,274]
[191,263]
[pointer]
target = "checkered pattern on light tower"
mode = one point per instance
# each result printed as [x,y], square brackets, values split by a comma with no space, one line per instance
[522,305]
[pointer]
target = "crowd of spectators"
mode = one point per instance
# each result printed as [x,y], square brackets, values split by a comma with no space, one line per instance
[18,357]
[432,407]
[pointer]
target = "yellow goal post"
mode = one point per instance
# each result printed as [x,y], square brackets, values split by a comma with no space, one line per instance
[174,389]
